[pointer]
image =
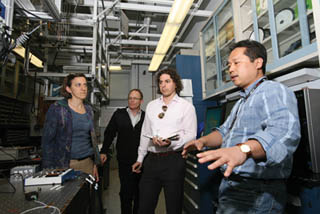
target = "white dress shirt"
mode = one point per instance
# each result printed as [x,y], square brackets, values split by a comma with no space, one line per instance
[179,118]
[134,118]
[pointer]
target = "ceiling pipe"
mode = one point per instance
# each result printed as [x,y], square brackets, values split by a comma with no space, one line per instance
[182,31]
[147,7]
[147,21]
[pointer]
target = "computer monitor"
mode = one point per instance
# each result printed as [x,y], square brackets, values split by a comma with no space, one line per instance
[227,107]
[213,119]
[306,159]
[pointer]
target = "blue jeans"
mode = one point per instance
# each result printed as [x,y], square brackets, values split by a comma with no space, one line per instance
[250,196]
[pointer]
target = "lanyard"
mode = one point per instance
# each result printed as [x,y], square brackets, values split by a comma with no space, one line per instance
[245,99]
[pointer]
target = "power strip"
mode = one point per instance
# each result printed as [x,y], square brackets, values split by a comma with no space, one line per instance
[21,172]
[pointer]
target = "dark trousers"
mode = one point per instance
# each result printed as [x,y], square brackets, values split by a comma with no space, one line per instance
[159,172]
[129,189]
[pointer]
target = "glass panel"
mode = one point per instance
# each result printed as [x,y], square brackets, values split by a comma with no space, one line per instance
[287,26]
[225,39]
[246,19]
[210,58]
[264,27]
[212,79]
[310,20]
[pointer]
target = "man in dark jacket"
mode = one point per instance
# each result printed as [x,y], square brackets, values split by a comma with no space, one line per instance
[126,124]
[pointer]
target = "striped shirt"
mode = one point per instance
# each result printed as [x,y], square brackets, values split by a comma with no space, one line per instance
[269,115]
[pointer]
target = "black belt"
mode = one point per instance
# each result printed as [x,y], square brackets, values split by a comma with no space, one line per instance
[80,159]
[163,154]
[238,178]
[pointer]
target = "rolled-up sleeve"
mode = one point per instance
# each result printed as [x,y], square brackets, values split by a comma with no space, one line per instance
[281,133]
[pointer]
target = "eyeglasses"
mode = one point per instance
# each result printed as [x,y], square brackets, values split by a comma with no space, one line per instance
[164,109]
[134,98]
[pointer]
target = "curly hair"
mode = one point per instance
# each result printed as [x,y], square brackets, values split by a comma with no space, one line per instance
[67,82]
[174,76]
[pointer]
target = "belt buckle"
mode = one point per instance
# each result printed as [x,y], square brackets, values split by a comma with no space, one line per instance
[162,154]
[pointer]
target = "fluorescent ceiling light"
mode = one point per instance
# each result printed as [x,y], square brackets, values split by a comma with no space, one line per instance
[155,62]
[170,31]
[33,59]
[115,68]
[178,12]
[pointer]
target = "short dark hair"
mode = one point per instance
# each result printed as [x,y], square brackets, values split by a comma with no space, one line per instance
[67,83]
[174,76]
[137,90]
[253,50]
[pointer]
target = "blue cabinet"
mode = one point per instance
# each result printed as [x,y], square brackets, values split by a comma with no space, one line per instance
[200,185]
[188,67]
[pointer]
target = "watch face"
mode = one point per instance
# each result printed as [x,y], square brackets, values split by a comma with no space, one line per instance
[245,148]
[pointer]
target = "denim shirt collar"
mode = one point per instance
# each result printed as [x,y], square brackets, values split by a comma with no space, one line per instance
[245,92]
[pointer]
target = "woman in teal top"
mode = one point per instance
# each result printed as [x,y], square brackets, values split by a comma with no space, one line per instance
[69,139]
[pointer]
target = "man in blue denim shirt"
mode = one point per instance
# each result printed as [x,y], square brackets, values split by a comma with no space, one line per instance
[257,141]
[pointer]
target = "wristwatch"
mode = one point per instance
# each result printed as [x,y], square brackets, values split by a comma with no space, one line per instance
[245,148]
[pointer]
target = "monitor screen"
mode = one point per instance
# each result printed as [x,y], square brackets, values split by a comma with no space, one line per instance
[227,109]
[212,119]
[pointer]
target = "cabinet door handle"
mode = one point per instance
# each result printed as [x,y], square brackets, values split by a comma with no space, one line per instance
[192,164]
[192,157]
[192,173]
[194,204]
[191,184]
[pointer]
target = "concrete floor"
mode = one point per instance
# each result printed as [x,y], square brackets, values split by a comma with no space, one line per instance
[111,200]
